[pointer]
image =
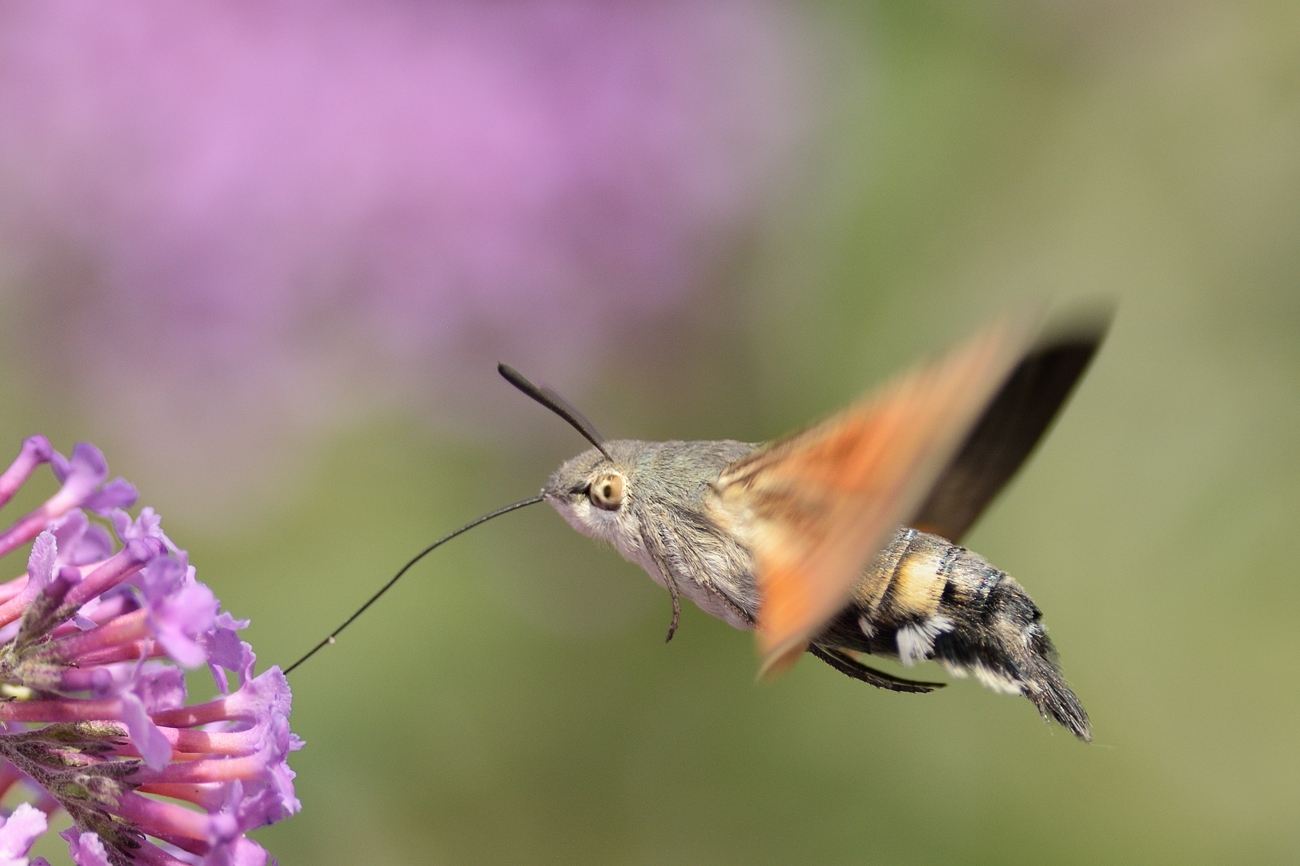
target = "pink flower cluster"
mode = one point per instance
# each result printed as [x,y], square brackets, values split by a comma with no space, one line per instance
[93,639]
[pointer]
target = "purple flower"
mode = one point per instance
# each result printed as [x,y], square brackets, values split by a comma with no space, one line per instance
[303,210]
[18,832]
[92,701]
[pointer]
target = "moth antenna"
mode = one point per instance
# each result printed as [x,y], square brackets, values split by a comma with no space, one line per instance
[421,555]
[556,404]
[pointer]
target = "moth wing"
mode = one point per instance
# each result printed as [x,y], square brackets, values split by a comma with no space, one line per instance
[1010,427]
[815,506]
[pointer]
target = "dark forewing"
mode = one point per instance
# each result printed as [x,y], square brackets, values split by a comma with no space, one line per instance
[1007,432]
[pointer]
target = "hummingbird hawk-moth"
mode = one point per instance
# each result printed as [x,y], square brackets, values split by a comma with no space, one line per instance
[842,540]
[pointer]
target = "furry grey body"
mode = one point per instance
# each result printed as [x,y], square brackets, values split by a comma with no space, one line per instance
[922,597]
[663,525]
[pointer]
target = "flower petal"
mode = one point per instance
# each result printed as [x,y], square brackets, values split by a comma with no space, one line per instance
[153,746]
[35,451]
[181,610]
[19,832]
[117,493]
[226,652]
[40,565]
[86,848]
[80,541]
[82,474]
[160,687]
[240,851]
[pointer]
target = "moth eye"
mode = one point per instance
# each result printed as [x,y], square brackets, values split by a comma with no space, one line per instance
[607,491]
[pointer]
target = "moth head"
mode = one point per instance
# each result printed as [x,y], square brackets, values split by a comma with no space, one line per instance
[592,493]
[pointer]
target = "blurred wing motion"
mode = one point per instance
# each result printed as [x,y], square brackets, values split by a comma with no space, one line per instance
[815,507]
[1010,427]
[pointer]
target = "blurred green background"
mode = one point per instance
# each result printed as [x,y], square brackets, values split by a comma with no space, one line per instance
[512,701]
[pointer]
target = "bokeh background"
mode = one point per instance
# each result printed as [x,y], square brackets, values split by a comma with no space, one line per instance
[266,257]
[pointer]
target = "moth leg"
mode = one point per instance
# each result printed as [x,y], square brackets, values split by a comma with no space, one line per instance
[655,547]
[881,680]
[677,604]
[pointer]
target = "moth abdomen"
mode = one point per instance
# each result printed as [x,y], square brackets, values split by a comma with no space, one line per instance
[1000,640]
[924,598]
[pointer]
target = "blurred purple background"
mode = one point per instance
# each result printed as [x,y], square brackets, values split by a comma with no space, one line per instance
[250,222]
